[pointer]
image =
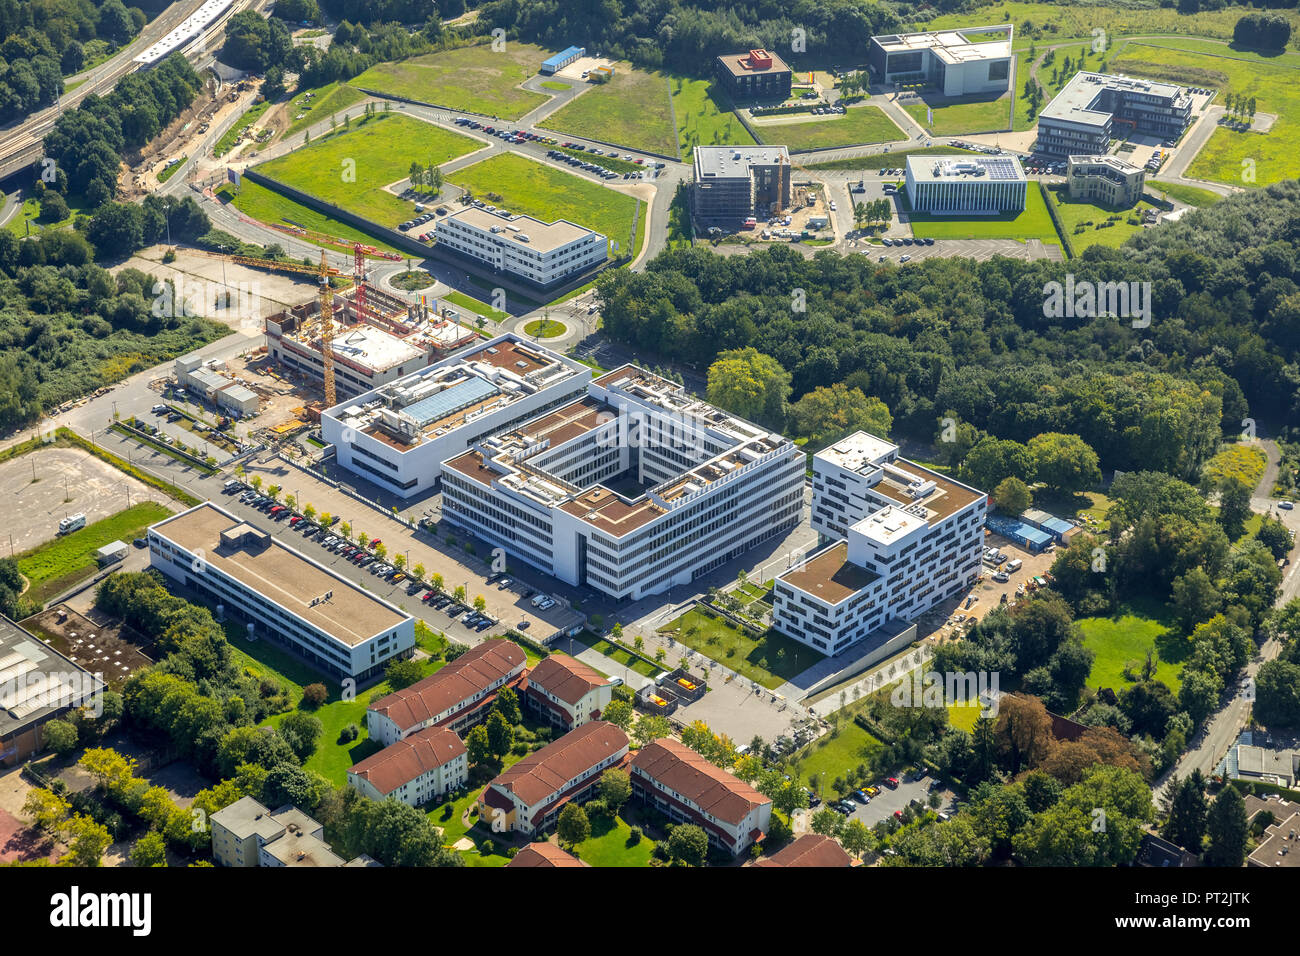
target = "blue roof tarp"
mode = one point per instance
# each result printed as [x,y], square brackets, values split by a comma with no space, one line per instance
[1057,526]
[1018,531]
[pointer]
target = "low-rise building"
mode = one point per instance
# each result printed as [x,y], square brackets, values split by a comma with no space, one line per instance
[566,692]
[1094,108]
[553,64]
[734,183]
[280,593]
[1280,767]
[1104,180]
[680,783]
[247,834]
[811,849]
[528,797]
[416,769]
[203,378]
[903,539]
[758,74]
[976,60]
[457,696]
[542,254]
[1280,844]
[978,186]
[544,855]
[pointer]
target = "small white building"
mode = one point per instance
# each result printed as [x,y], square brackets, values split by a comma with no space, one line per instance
[541,253]
[956,62]
[566,692]
[414,770]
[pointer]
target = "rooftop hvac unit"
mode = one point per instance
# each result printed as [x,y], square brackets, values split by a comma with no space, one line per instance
[522,237]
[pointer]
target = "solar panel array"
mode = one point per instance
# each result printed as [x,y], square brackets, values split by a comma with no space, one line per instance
[450,400]
[1000,167]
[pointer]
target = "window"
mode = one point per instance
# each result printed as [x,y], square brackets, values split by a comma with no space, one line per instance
[998,70]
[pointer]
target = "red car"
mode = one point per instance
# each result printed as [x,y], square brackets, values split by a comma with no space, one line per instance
[891,783]
[295,519]
[374,544]
[276,509]
[898,814]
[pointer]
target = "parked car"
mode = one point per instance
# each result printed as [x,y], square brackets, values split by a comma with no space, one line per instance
[891,783]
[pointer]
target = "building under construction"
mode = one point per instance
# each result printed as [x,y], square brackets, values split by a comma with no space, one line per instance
[376,337]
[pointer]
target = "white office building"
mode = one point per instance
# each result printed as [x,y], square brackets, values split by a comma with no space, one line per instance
[633,489]
[281,594]
[542,253]
[978,186]
[955,62]
[398,435]
[902,539]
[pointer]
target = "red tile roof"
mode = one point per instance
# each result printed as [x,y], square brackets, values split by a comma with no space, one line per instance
[547,772]
[544,854]
[712,789]
[566,677]
[407,759]
[472,673]
[811,849]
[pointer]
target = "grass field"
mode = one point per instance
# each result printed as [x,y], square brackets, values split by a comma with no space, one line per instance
[30,211]
[1123,641]
[632,109]
[618,654]
[859,124]
[963,716]
[954,119]
[555,85]
[231,136]
[475,306]
[413,280]
[548,194]
[350,168]
[830,756]
[268,206]
[608,844]
[1082,219]
[1192,196]
[1033,223]
[1241,159]
[1243,462]
[771,659]
[56,565]
[704,117]
[476,79]
[544,329]
[326,101]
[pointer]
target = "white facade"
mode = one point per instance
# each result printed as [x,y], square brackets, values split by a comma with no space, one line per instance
[904,539]
[975,186]
[956,62]
[416,770]
[398,435]
[632,490]
[540,252]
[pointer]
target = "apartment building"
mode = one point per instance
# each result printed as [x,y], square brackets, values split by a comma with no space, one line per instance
[416,769]
[543,254]
[398,435]
[1105,180]
[456,697]
[955,62]
[733,183]
[809,850]
[675,780]
[528,797]
[758,74]
[1094,108]
[280,593]
[566,692]
[631,490]
[247,834]
[898,539]
[979,186]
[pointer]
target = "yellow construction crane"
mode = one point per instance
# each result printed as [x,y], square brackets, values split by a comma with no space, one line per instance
[327,330]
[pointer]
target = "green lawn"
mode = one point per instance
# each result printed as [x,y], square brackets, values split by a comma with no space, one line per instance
[172,170]
[719,639]
[547,193]
[632,109]
[57,565]
[350,168]
[326,101]
[555,85]
[859,124]
[704,116]
[413,280]
[830,756]
[476,79]
[30,212]
[1091,225]
[618,654]
[1033,223]
[953,118]
[1124,641]
[963,716]
[270,207]
[544,329]
[608,844]
[231,136]
[475,306]
[1191,195]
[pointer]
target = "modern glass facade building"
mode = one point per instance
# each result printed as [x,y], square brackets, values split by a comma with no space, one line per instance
[984,185]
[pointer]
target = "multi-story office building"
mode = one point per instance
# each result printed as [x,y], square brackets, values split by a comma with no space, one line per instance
[566,692]
[979,186]
[733,183]
[758,74]
[1107,180]
[675,780]
[398,435]
[529,796]
[1094,108]
[415,769]
[456,697]
[541,253]
[956,62]
[280,593]
[902,539]
[631,490]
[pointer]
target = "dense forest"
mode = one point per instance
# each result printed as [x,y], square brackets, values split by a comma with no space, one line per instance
[952,337]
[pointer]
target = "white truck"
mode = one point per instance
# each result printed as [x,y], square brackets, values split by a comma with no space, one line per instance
[72,523]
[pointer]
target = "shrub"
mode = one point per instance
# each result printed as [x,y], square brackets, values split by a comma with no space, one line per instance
[313,695]
[635,836]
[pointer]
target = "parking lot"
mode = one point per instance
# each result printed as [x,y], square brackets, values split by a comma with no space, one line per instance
[890,801]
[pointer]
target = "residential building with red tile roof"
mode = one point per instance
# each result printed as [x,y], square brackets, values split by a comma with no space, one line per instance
[415,769]
[675,780]
[566,692]
[543,855]
[457,697]
[528,797]
[811,849]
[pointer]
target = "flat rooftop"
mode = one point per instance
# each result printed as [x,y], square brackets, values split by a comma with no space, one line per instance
[739,64]
[1077,100]
[1113,163]
[989,169]
[733,162]
[36,680]
[953,46]
[283,575]
[524,230]
[947,498]
[829,575]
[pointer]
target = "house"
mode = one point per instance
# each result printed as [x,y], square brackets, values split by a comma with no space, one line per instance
[544,855]
[566,692]
[811,849]
[414,770]
[675,780]
[528,797]
[457,697]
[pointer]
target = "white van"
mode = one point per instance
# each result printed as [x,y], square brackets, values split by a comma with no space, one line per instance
[72,523]
[1015,565]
